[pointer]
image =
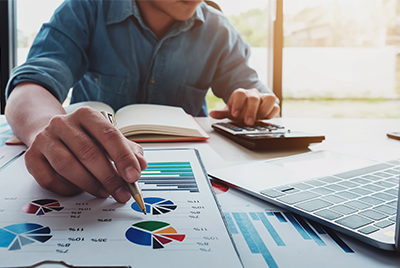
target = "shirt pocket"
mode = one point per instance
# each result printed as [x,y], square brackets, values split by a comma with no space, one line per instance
[191,99]
[112,90]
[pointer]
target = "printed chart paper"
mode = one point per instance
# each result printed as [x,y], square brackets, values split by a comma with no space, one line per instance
[268,236]
[183,226]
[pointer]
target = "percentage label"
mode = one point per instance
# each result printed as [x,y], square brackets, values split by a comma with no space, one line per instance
[99,240]
[63,245]
[76,239]
[63,251]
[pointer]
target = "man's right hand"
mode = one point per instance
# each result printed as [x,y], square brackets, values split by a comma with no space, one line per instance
[73,152]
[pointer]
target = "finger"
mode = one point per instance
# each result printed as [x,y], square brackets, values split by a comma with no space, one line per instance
[64,163]
[236,102]
[114,143]
[267,104]
[82,161]
[252,105]
[221,114]
[46,177]
[274,112]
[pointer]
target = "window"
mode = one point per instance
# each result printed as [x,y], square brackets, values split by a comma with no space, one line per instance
[341,58]
[253,19]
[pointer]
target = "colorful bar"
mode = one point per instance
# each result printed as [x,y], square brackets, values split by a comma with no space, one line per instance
[297,226]
[168,163]
[169,182]
[195,190]
[253,239]
[280,217]
[310,231]
[278,240]
[270,213]
[231,225]
[254,216]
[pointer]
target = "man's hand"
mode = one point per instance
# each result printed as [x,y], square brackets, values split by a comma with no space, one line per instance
[74,152]
[248,105]
[70,153]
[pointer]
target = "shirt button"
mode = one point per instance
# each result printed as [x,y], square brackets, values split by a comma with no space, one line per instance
[96,80]
[152,81]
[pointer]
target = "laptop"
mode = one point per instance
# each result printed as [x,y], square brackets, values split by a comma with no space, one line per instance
[356,196]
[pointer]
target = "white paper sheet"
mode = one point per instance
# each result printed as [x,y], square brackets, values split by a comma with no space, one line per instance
[268,236]
[183,228]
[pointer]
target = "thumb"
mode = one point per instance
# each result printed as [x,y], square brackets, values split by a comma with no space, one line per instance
[220,114]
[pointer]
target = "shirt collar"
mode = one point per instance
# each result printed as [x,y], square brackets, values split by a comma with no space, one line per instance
[120,10]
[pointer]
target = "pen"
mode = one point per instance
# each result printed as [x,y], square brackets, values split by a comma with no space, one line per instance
[133,188]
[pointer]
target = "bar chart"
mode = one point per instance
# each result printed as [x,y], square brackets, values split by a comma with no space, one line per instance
[168,176]
[251,226]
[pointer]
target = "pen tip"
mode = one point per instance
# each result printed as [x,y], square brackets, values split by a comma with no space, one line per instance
[144,211]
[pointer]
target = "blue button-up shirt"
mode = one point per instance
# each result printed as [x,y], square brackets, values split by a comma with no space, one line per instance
[105,52]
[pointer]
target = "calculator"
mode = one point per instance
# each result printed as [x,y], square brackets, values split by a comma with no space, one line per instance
[266,136]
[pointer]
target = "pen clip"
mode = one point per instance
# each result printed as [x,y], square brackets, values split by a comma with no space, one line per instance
[110,117]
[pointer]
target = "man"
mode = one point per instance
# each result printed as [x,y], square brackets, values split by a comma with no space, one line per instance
[121,52]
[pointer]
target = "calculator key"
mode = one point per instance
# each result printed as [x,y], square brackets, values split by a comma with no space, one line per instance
[368,230]
[343,209]
[313,205]
[372,214]
[393,218]
[328,214]
[298,197]
[354,221]
[383,224]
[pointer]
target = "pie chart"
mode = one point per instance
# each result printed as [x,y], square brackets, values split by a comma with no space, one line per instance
[42,206]
[155,205]
[153,234]
[16,236]
[219,188]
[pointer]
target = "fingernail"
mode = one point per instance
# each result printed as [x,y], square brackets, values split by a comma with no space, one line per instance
[249,121]
[236,113]
[122,195]
[103,193]
[131,174]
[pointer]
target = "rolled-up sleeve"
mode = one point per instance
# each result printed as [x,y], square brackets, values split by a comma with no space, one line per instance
[57,58]
[233,71]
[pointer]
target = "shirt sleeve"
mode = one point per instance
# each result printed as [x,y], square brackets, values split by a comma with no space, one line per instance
[233,71]
[57,58]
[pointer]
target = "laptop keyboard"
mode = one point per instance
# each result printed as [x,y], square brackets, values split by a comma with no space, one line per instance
[364,200]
